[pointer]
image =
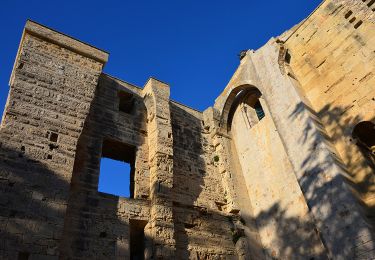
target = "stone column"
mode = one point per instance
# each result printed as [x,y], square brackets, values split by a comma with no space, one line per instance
[160,143]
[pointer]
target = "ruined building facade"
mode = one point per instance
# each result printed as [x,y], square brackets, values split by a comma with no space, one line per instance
[280,167]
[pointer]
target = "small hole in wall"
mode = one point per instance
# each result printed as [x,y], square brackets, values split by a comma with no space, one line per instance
[22,148]
[169,135]
[352,20]
[20,66]
[190,225]
[52,146]
[49,157]
[288,57]
[371,3]
[348,14]
[53,137]
[356,26]
[103,234]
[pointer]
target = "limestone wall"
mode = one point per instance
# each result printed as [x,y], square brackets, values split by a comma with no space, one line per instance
[51,89]
[333,58]
[342,229]
[278,205]
[202,229]
[62,116]
[204,185]
[97,224]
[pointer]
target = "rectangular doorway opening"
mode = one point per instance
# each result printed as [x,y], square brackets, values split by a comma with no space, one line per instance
[117,169]
[23,255]
[137,239]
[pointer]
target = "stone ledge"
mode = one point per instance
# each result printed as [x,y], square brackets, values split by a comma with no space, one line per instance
[65,41]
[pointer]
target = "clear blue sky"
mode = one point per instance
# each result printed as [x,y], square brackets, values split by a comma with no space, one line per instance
[190,44]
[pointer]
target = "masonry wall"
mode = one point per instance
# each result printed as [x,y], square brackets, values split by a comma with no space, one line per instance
[204,187]
[97,224]
[333,58]
[334,212]
[62,113]
[51,90]
[203,230]
[278,205]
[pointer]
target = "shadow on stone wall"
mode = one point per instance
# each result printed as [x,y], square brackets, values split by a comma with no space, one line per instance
[189,170]
[29,189]
[295,233]
[96,225]
[324,194]
[343,129]
[31,205]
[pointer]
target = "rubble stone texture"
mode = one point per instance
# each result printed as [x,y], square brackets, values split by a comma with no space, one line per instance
[280,167]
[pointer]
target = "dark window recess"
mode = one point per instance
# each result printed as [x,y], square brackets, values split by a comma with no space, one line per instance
[259,110]
[137,239]
[356,26]
[126,102]
[364,133]
[348,14]
[53,137]
[23,255]
[288,57]
[117,169]
[352,20]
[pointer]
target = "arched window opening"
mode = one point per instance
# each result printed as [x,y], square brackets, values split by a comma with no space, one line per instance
[248,100]
[252,109]
[364,136]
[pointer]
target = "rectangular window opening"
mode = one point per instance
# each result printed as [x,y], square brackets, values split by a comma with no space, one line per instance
[259,110]
[126,102]
[352,20]
[117,169]
[356,26]
[137,239]
[348,14]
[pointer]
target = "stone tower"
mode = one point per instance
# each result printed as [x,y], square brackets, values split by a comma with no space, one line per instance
[280,167]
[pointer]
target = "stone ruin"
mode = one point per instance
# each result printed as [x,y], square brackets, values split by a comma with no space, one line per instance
[280,167]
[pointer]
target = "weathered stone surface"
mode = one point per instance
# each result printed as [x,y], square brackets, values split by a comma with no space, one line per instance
[272,171]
